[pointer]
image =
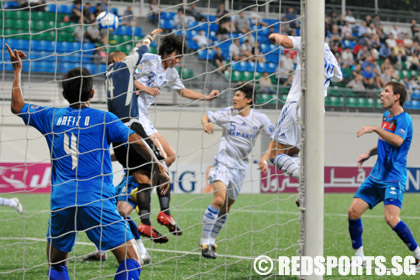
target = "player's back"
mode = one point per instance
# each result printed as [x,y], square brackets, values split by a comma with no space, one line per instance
[79,140]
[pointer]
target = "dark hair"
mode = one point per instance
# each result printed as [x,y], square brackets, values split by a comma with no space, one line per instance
[248,89]
[400,89]
[172,43]
[327,28]
[77,85]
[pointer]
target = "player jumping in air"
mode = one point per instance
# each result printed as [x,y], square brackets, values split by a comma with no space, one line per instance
[387,180]
[156,72]
[82,194]
[241,125]
[285,145]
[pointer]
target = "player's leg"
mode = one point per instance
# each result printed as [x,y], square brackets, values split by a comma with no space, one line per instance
[13,203]
[128,258]
[164,146]
[164,217]
[285,157]
[393,203]
[58,263]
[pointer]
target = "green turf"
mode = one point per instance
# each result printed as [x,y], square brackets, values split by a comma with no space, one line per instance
[257,224]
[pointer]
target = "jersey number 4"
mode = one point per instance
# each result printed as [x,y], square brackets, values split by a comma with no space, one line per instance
[70,147]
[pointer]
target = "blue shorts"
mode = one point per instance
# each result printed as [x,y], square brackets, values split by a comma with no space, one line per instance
[124,189]
[105,227]
[373,191]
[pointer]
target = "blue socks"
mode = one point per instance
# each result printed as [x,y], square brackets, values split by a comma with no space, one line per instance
[128,269]
[406,236]
[58,272]
[133,228]
[289,165]
[356,230]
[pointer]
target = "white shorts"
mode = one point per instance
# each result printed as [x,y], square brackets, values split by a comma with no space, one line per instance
[288,130]
[147,124]
[231,177]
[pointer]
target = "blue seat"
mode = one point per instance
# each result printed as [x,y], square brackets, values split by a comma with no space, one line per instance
[415,96]
[52,8]
[206,54]
[64,9]
[102,68]
[167,24]
[192,45]
[11,5]
[167,15]
[91,67]
[138,31]
[264,48]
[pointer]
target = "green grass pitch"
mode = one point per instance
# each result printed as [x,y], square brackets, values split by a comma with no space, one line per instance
[258,224]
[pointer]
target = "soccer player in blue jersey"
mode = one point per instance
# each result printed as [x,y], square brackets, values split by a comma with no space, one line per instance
[284,148]
[82,195]
[387,180]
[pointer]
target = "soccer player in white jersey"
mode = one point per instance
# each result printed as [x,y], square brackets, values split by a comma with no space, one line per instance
[13,203]
[154,73]
[285,145]
[241,125]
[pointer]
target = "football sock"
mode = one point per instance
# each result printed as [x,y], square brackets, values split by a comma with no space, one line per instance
[143,202]
[406,236]
[287,164]
[416,253]
[164,201]
[141,247]
[209,219]
[58,272]
[7,202]
[220,222]
[128,269]
[356,230]
[133,228]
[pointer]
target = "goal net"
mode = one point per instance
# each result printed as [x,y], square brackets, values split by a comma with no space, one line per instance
[264,219]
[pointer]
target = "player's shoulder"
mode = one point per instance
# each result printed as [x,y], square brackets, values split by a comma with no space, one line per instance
[150,57]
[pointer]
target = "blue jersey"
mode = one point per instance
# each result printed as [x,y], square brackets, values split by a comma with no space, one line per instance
[79,142]
[391,165]
[119,84]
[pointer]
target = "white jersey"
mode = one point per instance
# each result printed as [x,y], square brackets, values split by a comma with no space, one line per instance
[151,74]
[331,67]
[239,135]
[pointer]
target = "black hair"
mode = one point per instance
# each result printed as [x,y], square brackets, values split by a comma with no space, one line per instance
[248,89]
[172,43]
[400,89]
[77,85]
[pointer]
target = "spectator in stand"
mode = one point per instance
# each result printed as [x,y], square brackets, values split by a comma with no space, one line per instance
[350,18]
[381,33]
[201,39]
[415,83]
[408,42]
[285,27]
[98,10]
[378,78]
[374,54]
[288,61]
[88,17]
[266,86]
[104,5]
[247,50]
[100,56]
[129,19]
[194,12]
[415,48]
[415,30]
[368,77]
[395,31]
[250,38]
[79,32]
[242,23]
[377,21]
[363,29]
[76,13]
[346,31]
[180,20]
[362,54]
[371,29]
[154,12]
[219,60]
[357,70]
[291,18]
[335,36]
[222,14]
[258,55]
[400,51]
[357,83]
[256,18]
[391,42]
[386,76]
[393,58]
[386,65]
[368,19]
[283,73]
[93,34]
[374,42]
[384,51]
[414,62]
[235,51]
[347,57]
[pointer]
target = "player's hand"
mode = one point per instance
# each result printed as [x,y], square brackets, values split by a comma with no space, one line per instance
[148,39]
[364,130]
[152,91]
[16,57]
[161,178]
[262,165]
[213,95]
[362,158]
[275,38]
[208,128]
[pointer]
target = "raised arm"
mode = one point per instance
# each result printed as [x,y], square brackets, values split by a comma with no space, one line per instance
[17,98]
[191,94]
[390,138]
[280,39]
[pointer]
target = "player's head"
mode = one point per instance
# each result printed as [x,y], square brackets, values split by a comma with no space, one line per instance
[77,85]
[116,56]
[244,95]
[171,50]
[394,91]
